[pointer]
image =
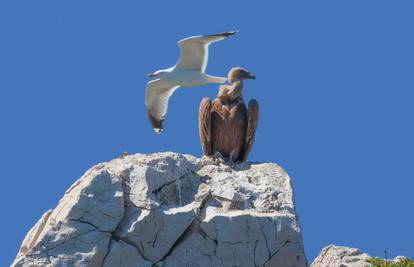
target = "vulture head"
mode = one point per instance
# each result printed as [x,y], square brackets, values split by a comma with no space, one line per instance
[239,74]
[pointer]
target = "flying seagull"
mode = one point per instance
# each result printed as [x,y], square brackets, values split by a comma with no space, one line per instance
[227,128]
[189,71]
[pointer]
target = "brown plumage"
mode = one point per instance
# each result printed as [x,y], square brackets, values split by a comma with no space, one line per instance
[226,126]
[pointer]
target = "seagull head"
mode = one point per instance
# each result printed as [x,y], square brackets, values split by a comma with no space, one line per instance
[157,74]
[238,74]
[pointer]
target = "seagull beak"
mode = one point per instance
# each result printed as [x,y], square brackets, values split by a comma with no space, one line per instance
[151,75]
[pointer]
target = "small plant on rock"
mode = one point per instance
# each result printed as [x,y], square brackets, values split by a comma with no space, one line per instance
[402,262]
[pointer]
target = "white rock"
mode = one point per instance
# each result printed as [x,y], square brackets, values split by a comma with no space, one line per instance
[168,209]
[124,255]
[337,256]
[33,235]
[79,229]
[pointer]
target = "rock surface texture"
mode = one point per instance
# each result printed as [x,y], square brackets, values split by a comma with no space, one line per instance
[169,209]
[336,256]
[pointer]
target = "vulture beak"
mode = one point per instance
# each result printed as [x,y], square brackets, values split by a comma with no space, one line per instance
[250,75]
[151,75]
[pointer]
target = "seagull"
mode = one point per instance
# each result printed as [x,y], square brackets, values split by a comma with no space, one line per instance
[189,71]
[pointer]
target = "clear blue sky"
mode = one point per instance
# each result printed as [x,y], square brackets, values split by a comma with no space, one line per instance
[334,83]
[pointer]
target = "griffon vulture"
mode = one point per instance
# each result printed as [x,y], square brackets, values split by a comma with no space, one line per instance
[227,128]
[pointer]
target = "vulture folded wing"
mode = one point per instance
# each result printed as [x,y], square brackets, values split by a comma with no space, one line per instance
[194,50]
[204,125]
[156,99]
[252,120]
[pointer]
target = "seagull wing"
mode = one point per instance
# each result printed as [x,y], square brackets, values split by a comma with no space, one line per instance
[194,50]
[156,99]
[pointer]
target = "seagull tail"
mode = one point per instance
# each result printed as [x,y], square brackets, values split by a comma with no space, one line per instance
[216,79]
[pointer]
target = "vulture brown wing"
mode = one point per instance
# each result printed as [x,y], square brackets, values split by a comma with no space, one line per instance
[252,120]
[204,125]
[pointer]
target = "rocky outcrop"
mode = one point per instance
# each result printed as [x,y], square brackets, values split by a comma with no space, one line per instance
[168,209]
[337,256]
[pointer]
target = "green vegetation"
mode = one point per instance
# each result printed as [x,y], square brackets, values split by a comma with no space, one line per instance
[403,262]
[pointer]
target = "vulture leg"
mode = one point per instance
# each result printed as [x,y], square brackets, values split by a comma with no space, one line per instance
[204,126]
[252,120]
